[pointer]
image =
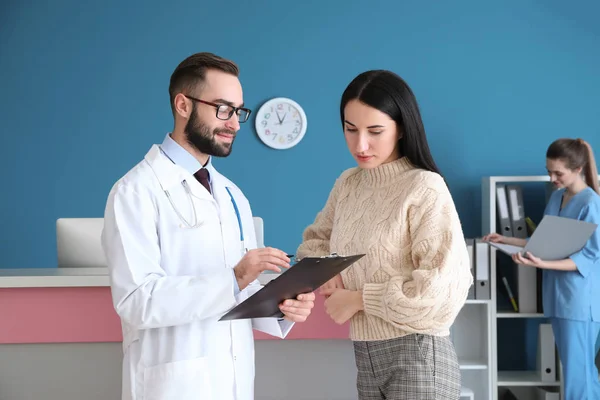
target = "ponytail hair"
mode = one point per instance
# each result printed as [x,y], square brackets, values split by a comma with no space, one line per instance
[576,153]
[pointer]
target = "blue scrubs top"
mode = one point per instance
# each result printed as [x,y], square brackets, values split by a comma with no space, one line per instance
[575,294]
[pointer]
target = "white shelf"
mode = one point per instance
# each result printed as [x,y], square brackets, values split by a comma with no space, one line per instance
[530,178]
[475,301]
[472,364]
[522,378]
[512,314]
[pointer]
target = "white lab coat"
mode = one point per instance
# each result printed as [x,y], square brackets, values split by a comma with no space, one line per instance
[170,284]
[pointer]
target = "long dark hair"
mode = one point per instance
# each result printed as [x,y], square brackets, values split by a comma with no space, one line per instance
[576,153]
[388,93]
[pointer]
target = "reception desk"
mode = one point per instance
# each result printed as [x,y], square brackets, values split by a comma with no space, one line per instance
[73,305]
[60,339]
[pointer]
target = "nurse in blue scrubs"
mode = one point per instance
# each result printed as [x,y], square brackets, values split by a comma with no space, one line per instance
[571,287]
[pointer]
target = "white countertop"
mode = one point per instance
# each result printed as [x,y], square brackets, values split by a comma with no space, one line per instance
[66,277]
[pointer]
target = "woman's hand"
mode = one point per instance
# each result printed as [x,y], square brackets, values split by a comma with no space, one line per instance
[494,238]
[528,259]
[334,283]
[342,304]
[498,238]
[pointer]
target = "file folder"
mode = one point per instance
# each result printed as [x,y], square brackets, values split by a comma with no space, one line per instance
[502,211]
[305,276]
[546,354]
[482,270]
[555,238]
[547,393]
[516,211]
[527,288]
[471,250]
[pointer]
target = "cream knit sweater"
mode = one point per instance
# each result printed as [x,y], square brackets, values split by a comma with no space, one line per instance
[416,272]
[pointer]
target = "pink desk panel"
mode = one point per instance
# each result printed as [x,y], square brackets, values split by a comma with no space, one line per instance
[86,314]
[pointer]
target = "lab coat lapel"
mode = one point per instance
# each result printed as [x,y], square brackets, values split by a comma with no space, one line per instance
[170,175]
[166,172]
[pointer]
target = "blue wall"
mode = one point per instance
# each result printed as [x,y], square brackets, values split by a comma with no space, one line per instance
[84,95]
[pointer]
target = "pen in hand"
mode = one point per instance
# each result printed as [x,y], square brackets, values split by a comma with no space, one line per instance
[290,256]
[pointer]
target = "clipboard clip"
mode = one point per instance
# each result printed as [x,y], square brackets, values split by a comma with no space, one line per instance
[332,255]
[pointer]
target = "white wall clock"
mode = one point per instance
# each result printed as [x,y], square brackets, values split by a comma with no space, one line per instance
[280,123]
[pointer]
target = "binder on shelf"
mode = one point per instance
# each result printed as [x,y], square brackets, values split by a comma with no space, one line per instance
[482,270]
[544,393]
[502,211]
[516,211]
[546,354]
[540,303]
[527,288]
[471,250]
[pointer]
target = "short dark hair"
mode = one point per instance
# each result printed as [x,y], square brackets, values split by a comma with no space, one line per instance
[191,73]
[387,92]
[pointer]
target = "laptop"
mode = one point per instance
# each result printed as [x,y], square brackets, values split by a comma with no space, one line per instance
[555,238]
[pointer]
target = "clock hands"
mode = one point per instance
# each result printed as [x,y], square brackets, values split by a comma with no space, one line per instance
[280,119]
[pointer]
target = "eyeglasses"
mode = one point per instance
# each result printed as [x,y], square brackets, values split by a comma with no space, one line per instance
[224,111]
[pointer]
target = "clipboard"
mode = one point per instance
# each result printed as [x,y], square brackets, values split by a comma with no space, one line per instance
[555,238]
[305,276]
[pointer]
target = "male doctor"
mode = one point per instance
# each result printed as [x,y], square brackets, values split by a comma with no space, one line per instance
[181,251]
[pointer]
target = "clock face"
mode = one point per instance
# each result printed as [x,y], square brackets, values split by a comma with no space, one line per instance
[281,123]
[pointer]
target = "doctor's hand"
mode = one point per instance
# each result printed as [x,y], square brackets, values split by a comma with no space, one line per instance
[329,286]
[298,310]
[256,261]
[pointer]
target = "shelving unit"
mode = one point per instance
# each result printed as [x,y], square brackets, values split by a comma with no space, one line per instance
[504,379]
[471,337]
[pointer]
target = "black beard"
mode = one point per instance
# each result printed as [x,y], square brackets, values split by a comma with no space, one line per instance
[199,136]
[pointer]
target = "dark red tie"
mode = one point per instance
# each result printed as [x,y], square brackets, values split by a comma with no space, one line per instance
[202,176]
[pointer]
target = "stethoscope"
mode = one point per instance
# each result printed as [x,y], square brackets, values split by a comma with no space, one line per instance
[196,224]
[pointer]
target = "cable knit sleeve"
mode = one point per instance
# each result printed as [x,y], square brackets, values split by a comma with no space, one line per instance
[429,298]
[315,239]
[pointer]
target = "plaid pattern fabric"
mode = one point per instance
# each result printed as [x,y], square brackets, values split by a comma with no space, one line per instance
[412,367]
